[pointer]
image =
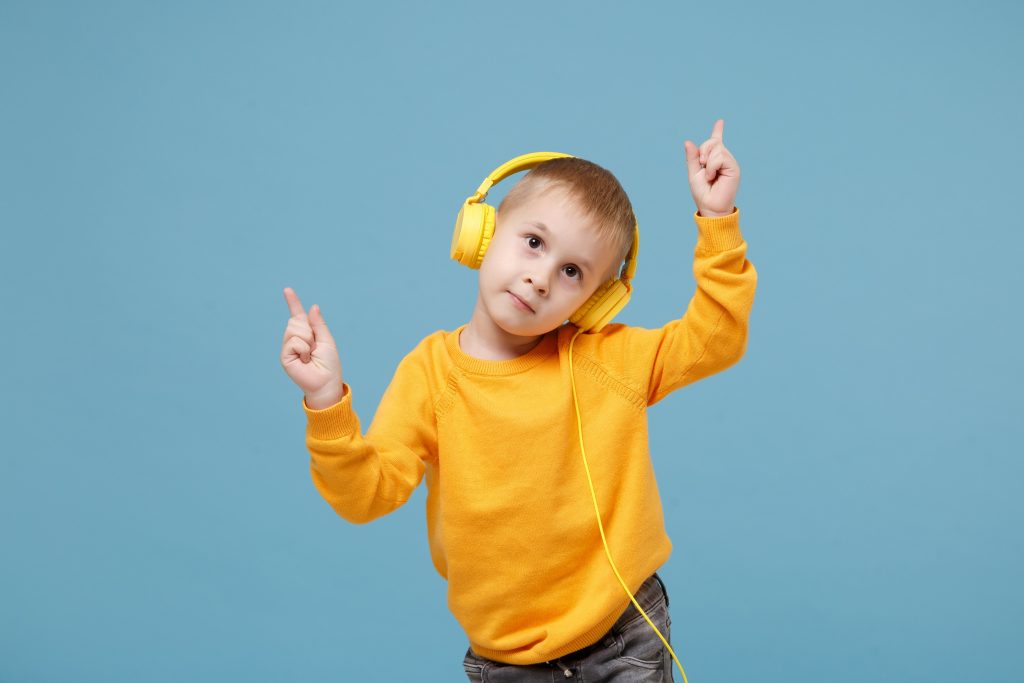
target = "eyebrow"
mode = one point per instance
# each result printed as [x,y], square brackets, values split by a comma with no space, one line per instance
[544,229]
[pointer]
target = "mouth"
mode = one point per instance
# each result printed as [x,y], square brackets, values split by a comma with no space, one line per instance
[519,302]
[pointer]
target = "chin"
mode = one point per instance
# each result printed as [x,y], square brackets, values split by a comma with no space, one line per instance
[521,330]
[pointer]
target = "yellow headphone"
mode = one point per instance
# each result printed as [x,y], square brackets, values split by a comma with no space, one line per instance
[474,229]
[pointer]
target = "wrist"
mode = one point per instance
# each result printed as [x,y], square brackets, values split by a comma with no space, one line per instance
[326,399]
[715,214]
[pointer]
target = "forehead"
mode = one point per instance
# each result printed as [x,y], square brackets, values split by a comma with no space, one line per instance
[554,208]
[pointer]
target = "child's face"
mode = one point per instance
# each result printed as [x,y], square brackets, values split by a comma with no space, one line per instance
[554,270]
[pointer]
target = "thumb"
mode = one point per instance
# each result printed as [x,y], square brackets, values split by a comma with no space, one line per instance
[692,159]
[319,325]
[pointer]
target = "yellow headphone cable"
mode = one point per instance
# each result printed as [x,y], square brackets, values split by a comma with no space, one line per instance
[579,426]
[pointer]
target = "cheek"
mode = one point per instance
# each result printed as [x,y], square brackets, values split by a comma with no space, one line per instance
[493,272]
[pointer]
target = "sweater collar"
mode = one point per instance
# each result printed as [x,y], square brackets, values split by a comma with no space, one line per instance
[548,346]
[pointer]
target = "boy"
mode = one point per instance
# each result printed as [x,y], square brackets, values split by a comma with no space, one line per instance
[488,412]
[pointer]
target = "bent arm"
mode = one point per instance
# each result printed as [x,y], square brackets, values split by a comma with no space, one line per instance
[364,477]
[712,333]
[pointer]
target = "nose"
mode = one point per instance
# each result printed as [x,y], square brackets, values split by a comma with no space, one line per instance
[539,281]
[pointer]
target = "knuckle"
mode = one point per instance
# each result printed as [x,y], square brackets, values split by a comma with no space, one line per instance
[300,330]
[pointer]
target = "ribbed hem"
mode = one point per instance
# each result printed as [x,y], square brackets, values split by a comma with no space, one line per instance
[547,347]
[583,640]
[333,421]
[718,233]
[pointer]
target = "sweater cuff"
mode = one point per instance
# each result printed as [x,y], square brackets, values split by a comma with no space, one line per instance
[718,233]
[334,421]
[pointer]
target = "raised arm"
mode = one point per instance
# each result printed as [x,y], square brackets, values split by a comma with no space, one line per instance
[712,333]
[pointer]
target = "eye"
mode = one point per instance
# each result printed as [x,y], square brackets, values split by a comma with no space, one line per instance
[574,272]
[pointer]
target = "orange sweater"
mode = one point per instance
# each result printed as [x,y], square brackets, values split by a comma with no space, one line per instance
[510,517]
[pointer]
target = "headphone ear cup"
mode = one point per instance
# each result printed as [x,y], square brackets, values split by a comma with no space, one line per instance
[602,306]
[474,228]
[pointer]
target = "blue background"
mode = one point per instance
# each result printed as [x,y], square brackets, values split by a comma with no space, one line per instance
[845,503]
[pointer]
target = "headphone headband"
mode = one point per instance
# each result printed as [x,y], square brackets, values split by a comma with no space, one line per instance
[520,163]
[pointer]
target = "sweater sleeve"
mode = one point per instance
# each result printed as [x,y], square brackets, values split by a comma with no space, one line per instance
[712,334]
[364,477]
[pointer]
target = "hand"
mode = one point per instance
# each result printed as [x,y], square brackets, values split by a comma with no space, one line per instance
[714,174]
[309,354]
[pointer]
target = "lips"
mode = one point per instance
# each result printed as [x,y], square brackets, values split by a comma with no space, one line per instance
[521,302]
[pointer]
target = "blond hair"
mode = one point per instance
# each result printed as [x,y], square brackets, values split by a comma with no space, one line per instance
[594,189]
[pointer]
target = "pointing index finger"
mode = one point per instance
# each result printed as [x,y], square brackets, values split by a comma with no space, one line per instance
[294,305]
[719,128]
